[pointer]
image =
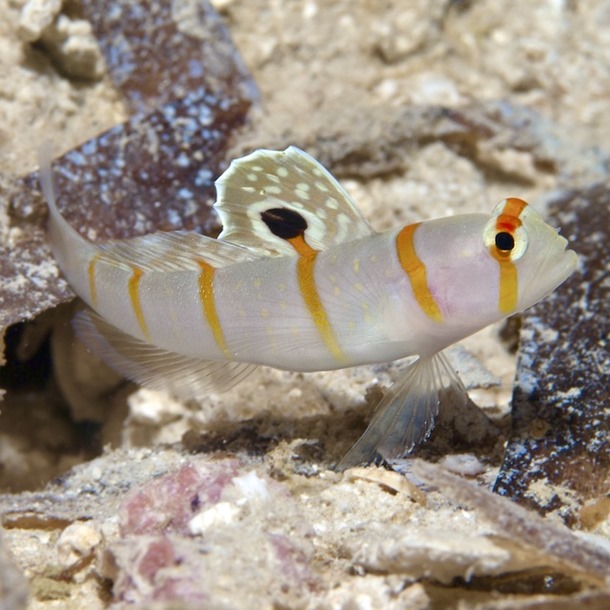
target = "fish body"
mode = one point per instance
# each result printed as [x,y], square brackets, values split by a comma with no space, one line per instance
[298,280]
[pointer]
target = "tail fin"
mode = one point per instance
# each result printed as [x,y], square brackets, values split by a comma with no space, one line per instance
[45,158]
[46,180]
[406,414]
[69,248]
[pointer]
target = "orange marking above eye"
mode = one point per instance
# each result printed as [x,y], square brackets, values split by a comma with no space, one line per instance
[509,220]
[509,225]
[514,206]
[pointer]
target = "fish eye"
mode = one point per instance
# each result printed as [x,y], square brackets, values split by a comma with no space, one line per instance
[505,241]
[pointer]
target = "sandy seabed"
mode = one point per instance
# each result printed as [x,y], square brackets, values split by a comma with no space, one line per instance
[234,504]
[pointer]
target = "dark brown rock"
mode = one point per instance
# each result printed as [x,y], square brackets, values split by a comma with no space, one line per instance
[558,455]
[188,87]
[157,52]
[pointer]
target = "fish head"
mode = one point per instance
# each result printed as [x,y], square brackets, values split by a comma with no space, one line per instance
[532,257]
[481,268]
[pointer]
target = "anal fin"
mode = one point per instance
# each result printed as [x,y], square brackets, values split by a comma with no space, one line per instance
[405,416]
[182,376]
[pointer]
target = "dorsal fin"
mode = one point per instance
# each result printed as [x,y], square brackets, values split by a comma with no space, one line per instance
[172,251]
[267,197]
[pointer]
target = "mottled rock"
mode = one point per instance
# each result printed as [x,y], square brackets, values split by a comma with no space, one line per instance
[77,543]
[13,586]
[154,172]
[93,490]
[151,173]
[157,52]
[170,502]
[179,532]
[558,455]
[553,544]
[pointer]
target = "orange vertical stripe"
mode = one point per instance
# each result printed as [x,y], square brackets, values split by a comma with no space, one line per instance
[301,246]
[416,271]
[513,207]
[509,222]
[309,291]
[134,293]
[307,285]
[509,285]
[92,286]
[208,302]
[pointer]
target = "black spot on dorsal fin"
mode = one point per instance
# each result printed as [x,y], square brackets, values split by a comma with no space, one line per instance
[285,223]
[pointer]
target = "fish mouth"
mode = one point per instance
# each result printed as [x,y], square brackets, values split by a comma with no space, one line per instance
[552,271]
[566,251]
[563,263]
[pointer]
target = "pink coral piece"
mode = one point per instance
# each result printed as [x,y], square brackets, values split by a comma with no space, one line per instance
[167,504]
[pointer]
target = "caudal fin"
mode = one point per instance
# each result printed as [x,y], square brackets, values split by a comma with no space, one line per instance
[45,158]
[70,249]
[406,414]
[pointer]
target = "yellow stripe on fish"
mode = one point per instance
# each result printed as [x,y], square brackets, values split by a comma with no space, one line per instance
[416,270]
[291,227]
[307,284]
[208,302]
[92,285]
[298,280]
[504,249]
[134,295]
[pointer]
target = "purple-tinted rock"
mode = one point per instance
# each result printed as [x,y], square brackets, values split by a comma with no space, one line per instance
[151,173]
[170,502]
[160,51]
[560,408]
[179,532]
[187,84]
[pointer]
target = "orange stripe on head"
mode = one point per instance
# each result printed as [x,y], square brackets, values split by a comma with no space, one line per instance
[134,294]
[416,271]
[208,302]
[508,221]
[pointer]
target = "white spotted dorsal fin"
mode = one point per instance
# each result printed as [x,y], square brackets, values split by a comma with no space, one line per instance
[172,251]
[153,367]
[269,196]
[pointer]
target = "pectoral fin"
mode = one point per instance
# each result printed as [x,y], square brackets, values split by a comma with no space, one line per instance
[406,414]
